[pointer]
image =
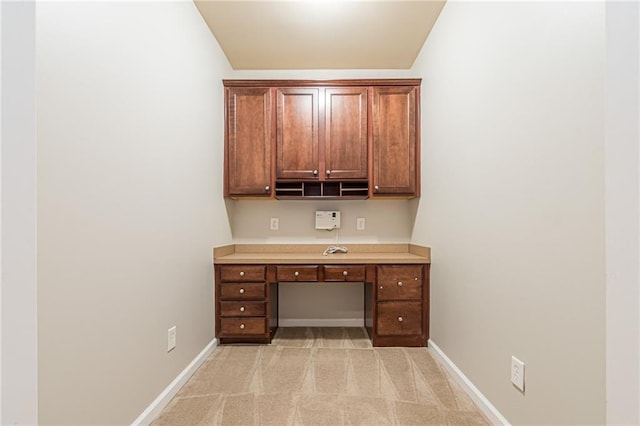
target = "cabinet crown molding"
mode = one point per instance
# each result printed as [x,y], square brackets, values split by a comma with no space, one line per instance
[324,83]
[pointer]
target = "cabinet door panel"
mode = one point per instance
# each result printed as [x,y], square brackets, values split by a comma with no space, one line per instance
[297,133]
[345,135]
[394,140]
[249,144]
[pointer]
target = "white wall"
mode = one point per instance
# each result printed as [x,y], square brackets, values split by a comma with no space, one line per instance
[130,131]
[18,334]
[513,201]
[622,212]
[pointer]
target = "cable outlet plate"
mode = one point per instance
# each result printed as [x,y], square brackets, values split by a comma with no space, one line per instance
[517,373]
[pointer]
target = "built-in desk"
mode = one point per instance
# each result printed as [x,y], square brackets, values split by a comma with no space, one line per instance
[395,276]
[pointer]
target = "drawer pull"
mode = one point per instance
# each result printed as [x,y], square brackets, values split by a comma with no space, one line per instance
[241,308]
[241,326]
[400,319]
[400,283]
[345,273]
[242,291]
[296,273]
[242,273]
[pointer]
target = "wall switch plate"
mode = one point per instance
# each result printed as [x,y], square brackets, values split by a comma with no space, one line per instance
[274,225]
[517,373]
[171,338]
[360,224]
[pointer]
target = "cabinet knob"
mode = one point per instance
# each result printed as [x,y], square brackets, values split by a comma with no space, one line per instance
[241,308]
[242,273]
[400,283]
[328,172]
[242,291]
[400,319]
[345,273]
[296,273]
[315,173]
[376,188]
[267,188]
[380,287]
[241,326]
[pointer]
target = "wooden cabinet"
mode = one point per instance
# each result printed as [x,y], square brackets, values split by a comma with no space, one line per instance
[395,141]
[322,138]
[248,141]
[321,133]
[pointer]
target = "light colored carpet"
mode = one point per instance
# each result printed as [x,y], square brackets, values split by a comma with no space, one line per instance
[320,376]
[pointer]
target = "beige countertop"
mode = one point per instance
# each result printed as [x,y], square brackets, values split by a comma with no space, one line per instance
[312,253]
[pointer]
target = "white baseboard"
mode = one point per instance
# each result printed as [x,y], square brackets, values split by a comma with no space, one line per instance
[154,409]
[330,322]
[492,413]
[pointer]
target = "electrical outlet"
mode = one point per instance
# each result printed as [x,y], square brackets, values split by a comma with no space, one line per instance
[517,373]
[171,338]
[360,224]
[274,224]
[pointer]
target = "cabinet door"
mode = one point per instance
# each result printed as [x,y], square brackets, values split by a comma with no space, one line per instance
[297,133]
[395,149]
[345,136]
[249,142]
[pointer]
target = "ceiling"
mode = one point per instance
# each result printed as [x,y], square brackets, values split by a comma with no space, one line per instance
[266,35]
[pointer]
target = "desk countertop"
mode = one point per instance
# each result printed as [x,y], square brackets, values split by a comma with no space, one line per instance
[312,253]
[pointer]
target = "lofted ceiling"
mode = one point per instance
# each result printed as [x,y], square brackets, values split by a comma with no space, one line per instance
[267,35]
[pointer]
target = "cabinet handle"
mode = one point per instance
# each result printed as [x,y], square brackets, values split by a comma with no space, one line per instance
[400,284]
[267,188]
[345,273]
[296,273]
[241,308]
[242,291]
[376,188]
[242,273]
[328,172]
[400,319]
[315,173]
[241,326]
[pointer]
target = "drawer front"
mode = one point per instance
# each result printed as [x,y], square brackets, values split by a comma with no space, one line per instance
[242,309]
[230,327]
[344,273]
[399,318]
[403,282]
[297,273]
[242,290]
[242,273]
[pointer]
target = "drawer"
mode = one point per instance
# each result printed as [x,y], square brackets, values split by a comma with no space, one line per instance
[242,273]
[344,273]
[401,282]
[297,273]
[243,309]
[399,318]
[230,327]
[242,290]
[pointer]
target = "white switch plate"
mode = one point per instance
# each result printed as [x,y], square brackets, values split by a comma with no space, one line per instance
[517,373]
[360,224]
[171,338]
[274,225]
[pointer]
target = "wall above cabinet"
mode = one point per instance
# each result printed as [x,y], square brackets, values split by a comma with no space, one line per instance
[315,139]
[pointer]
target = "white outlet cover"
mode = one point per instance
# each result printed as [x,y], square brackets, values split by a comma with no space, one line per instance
[361,224]
[274,224]
[171,338]
[517,373]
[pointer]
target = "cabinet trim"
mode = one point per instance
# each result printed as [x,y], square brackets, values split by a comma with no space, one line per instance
[324,83]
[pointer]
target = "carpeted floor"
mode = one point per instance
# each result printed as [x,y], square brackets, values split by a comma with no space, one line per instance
[320,376]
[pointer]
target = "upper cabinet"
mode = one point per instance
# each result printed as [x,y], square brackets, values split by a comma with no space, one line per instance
[248,142]
[322,138]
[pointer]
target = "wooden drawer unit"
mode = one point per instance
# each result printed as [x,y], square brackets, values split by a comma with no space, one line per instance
[240,327]
[344,273]
[399,282]
[242,273]
[242,309]
[297,273]
[399,318]
[242,290]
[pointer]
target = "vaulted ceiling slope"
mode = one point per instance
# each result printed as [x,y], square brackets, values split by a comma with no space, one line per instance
[264,35]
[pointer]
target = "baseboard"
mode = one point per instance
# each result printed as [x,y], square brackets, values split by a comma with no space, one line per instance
[332,322]
[154,409]
[492,413]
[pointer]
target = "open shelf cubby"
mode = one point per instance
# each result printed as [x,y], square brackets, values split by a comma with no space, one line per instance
[357,190]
